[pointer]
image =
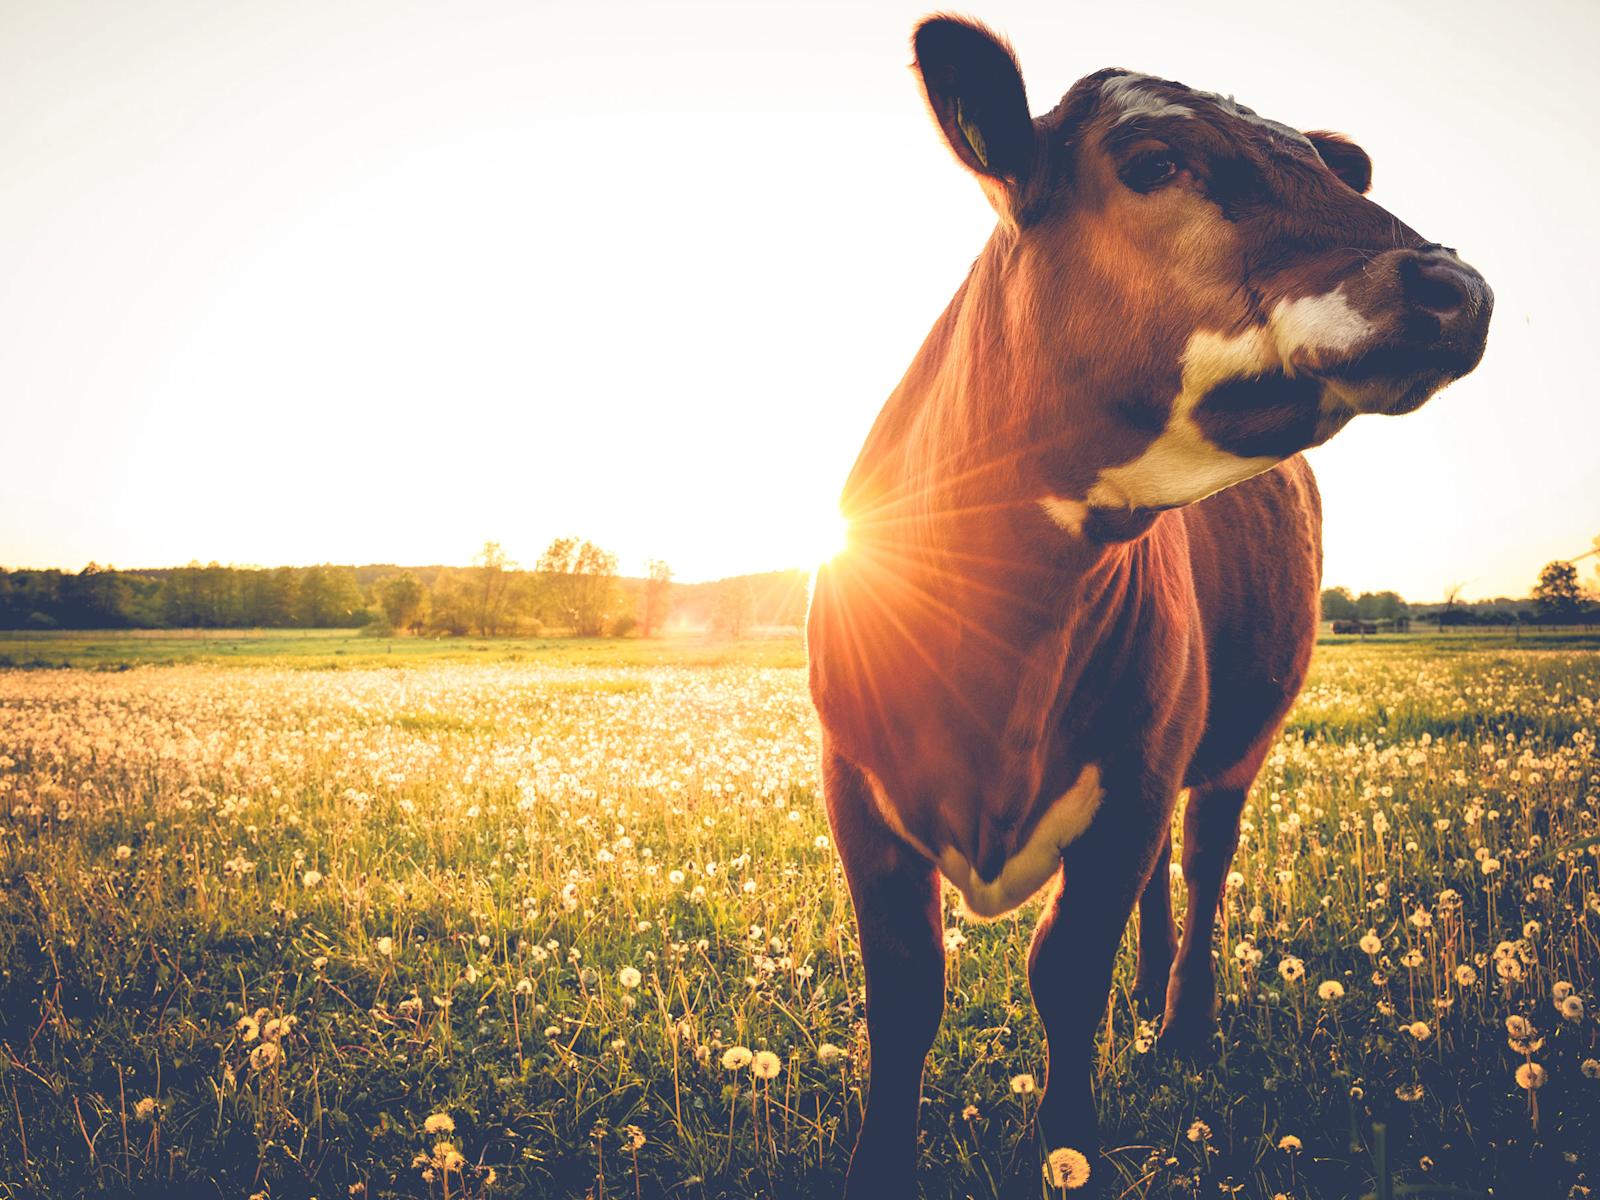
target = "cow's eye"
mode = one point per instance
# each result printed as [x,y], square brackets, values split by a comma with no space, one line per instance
[1147,172]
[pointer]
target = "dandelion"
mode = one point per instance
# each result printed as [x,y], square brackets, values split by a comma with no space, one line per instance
[1422,918]
[311,878]
[766,1065]
[145,1109]
[1560,991]
[1530,1077]
[386,946]
[1067,1168]
[1290,1144]
[633,1138]
[1572,1008]
[829,1055]
[628,977]
[1199,1132]
[1330,989]
[268,1054]
[1292,969]
[1466,976]
[1371,942]
[439,1123]
[248,1029]
[124,853]
[736,1058]
[954,939]
[1023,1084]
[1419,1030]
[1408,1092]
[1590,1068]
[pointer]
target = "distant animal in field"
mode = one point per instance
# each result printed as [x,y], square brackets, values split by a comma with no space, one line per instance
[1084,553]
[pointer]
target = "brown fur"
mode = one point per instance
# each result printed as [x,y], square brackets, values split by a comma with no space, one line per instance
[969,656]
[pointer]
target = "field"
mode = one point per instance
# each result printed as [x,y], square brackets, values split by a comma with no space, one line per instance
[323,916]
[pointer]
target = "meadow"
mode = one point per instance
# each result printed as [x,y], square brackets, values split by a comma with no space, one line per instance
[324,916]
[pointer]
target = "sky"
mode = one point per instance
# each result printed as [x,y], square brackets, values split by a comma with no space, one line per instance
[375,282]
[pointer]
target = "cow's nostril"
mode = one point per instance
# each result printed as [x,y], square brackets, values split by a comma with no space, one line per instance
[1433,285]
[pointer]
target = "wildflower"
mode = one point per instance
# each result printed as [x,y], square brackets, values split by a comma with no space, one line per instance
[1530,1077]
[1572,1008]
[447,1157]
[1371,942]
[829,1055]
[1419,1030]
[1466,976]
[628,977]
[1560,991]
[268,1054]
[1411,958]
[124,853]
[1067,1168]
[1199,1132]
[1422,918]
[1330,989]
[248,1029]
[954,939]
[319,962]
[1291,968]
[1023,1084]
[1409,1092]
[524,987]
[386,947]
[311,878]
[1290,1144]
[736,1058]
[439,1123]
[145,1110]
[766,1065]
[1590,1068]
[632,1137]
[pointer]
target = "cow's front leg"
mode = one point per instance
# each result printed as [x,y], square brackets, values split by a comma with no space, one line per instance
[896,896]
[1074,948]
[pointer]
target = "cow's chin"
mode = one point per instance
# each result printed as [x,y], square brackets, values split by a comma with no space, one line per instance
[1394,379]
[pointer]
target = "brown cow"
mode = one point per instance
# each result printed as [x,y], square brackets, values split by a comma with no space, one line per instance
[1051,617]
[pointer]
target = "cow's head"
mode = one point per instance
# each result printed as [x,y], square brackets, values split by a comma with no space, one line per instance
[1184,293]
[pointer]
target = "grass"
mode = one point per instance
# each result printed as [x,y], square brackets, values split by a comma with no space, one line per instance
[259,921]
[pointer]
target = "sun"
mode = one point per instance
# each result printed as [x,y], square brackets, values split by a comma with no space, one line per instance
[828,539]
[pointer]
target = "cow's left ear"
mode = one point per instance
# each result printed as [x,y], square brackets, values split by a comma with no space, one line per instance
[975,90]
[1344,158]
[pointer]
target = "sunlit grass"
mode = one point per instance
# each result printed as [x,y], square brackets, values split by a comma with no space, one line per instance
[585,915]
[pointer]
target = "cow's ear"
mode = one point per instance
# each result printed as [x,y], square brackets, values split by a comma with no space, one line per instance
[975,90]
[1344,158]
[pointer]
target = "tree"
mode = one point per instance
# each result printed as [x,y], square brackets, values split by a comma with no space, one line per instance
[1380,606]
[1558,594]
[330,598]
[1338,605]
[402,600]
[491,588]
[578,583]
[733,606]
[657,601]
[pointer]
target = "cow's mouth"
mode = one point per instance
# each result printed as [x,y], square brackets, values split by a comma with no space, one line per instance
[1396,377]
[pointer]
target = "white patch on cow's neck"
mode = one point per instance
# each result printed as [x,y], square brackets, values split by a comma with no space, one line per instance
[1032,864]
[1067,513]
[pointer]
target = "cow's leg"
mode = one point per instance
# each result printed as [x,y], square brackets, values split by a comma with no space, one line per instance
[1074,948]
[896,896]
[1158,940]
[1210,837]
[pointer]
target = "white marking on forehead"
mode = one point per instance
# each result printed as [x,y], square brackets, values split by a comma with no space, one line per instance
[1033,863]
[1135,98]
[1129,94]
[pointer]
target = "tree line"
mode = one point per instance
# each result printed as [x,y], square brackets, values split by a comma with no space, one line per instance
[573,588]
[1559,597]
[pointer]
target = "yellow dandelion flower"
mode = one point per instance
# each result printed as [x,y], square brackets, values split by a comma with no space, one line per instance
[439,1123]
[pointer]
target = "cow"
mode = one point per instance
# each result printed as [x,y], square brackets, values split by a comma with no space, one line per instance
[1084,552]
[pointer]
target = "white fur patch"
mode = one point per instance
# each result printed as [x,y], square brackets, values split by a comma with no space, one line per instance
[1032,864]
[1130,95]
[1182,465]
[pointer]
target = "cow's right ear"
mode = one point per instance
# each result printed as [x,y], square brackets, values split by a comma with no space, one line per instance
[975,90]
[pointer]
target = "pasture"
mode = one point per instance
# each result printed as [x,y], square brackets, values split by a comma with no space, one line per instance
[563,919]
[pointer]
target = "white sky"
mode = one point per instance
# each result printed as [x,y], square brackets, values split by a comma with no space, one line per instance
[294,282]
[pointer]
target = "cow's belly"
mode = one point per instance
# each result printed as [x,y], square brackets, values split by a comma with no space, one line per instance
[1030,865]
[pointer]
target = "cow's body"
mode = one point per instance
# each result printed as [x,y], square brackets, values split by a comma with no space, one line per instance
[1084,559]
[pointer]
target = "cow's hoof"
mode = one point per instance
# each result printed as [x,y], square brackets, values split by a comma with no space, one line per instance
[1190,1036]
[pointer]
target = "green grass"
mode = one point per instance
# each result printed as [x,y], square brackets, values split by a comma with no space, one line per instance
[530,823]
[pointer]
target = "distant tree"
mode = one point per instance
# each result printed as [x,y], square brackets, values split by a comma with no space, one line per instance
[451,604]
[1380,606]
[578,581]
[657,600]
[733,606]
[1338,605]
[330,598]
[491,589]
[1558,596]
[402,598]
